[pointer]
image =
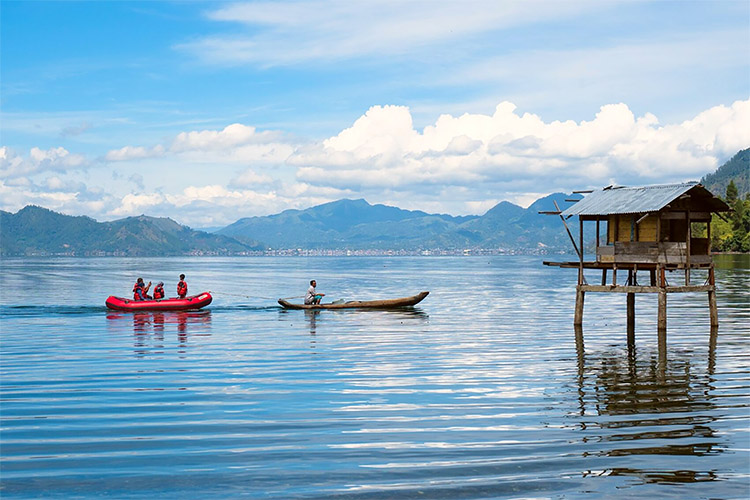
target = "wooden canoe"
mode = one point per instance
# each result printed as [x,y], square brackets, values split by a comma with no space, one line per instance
[361,304]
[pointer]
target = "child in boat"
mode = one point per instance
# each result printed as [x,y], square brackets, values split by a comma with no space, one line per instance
[140,291]
[182,287]
[313,297]
[159,291]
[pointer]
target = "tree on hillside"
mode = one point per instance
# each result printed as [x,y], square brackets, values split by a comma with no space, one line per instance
[731,193]
[737,169]
[732,235]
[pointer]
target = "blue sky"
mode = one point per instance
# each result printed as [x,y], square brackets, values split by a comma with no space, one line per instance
[211,111]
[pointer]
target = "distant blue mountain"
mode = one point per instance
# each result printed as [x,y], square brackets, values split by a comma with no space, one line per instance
[343,224]
[358,225]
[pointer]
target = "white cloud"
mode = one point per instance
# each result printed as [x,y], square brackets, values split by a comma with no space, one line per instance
[39,160]
[292,32]
[56,184]
[214,204]
[128,153]
[56,193]
[236,143]
[383,150]
[135,204]
[250,178]
[231,136]
[458,164]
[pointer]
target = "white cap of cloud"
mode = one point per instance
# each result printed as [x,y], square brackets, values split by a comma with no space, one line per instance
[232,135]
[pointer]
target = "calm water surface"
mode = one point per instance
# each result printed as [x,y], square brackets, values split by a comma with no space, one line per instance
[481,391]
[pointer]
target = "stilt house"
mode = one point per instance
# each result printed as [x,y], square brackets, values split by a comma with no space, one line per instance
[652,228]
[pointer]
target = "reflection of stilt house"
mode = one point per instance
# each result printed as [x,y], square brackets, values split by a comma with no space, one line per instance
[652,229]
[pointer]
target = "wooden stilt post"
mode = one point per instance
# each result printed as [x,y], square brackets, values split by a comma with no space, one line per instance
[578,320]
[581,278]
[579,346]
[653,277]
[661,367]
[712,350]
[687,248]
[631,318]
[661,331]
[662,319]
[712,298]
[604,277]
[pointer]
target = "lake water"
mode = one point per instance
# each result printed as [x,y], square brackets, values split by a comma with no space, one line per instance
[481,391]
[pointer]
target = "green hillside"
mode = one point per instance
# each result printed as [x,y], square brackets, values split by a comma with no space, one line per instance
[737,169]
[39,231]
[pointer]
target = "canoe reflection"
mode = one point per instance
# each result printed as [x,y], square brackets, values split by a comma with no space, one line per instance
[311,316]
[633,405]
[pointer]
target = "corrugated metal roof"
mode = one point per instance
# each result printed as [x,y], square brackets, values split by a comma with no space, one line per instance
[629,200]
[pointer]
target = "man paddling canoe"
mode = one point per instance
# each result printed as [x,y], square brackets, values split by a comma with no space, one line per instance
[313,297]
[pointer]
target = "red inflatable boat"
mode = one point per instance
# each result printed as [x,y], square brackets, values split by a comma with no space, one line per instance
[171,304]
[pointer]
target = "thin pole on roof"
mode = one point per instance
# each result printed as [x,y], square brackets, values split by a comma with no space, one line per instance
[570,235]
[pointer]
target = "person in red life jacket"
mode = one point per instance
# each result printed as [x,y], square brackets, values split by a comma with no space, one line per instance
[182,287]
[140,291]
[159,291]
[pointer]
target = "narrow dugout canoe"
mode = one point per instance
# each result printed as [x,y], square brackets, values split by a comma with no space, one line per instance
[171,304]
[362,304]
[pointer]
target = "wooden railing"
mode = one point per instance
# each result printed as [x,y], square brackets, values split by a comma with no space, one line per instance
[651,252]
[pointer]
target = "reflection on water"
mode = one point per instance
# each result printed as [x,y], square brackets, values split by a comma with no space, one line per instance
[311,317]
[632,405]
[155,321]
[149,327]
[482,391]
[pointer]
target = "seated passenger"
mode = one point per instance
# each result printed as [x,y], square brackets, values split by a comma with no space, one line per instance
[140,291]
[159,291]
[182,287]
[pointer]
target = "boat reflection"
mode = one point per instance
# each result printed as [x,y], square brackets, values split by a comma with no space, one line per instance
[632,405]
[312,320]
[312,315]
[150,326]
[145,321]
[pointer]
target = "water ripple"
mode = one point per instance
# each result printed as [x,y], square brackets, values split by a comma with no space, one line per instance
[482,391]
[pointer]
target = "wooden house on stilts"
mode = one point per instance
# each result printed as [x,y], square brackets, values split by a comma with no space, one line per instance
[658,230]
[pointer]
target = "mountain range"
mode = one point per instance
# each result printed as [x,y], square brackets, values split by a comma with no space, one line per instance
[343,225]
[339,225]
[39,231]
[358,225]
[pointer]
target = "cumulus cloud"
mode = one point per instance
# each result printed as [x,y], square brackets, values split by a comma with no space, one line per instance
[457,164]
[383,149]
[140,203]
[56,193]
[236,143]
[39,160]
